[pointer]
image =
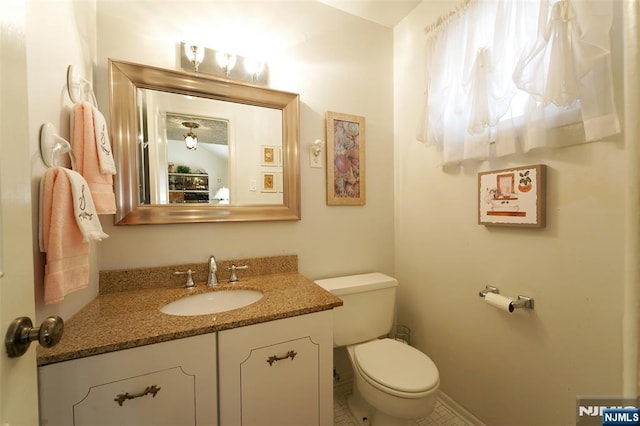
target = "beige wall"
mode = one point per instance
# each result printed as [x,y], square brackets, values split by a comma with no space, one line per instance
[528,367]
[333,60]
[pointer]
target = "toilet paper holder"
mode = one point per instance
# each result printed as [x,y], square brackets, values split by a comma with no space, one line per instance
[522,301]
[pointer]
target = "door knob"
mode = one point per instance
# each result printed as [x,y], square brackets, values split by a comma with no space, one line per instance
[21,333]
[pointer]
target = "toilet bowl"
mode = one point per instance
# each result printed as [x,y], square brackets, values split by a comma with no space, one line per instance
[394,382]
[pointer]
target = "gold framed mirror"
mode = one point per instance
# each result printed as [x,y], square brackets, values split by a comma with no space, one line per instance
[142,189]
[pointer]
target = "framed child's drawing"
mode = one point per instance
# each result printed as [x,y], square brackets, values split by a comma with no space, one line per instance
[513,197]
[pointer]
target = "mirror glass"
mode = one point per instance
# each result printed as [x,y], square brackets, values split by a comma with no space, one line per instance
[198,148]
[224,166]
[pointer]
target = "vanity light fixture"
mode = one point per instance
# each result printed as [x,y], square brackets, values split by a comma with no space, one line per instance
[195,54]
[222,63]
[191,139]
[226,61]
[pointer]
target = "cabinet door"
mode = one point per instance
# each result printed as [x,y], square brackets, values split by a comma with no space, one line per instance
[170,383]
[285,391]
[277,373]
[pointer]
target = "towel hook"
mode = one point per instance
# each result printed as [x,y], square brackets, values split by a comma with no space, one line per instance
[75,85]
[51,144]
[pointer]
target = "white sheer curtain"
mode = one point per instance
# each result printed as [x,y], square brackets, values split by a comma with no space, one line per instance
[519,75]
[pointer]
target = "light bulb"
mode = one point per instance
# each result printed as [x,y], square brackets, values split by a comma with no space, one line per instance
[191,141]
[253,67]
[226,61]
[195,54]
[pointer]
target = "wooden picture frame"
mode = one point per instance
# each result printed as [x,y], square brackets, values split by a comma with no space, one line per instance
[513,197]
[270,155]
[269,182]
[345,159]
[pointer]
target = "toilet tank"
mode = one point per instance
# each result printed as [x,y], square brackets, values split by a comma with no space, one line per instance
[368,306]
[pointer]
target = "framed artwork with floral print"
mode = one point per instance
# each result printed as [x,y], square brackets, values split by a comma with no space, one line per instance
[345,159]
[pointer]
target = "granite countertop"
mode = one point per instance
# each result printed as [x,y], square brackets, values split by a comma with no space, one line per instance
[126,319]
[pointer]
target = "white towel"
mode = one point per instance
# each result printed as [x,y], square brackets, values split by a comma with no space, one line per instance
[83,208]
[105,154]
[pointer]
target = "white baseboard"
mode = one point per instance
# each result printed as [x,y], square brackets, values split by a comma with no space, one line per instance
[459,409]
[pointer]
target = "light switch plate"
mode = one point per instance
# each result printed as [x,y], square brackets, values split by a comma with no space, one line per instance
[315,160]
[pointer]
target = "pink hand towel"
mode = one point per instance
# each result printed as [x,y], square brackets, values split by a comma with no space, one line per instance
[85,149]
[67,266]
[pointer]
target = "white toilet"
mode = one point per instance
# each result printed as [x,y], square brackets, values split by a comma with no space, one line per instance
[393,382]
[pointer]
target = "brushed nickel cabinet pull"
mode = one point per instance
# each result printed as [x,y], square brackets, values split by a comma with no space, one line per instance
[290,354]
[153,390]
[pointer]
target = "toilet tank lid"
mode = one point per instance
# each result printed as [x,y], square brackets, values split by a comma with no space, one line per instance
[357,283]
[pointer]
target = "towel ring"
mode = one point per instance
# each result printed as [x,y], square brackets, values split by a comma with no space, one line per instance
[76,86]
[51,144]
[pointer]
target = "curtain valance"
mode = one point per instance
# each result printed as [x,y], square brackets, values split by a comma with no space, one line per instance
[519,75]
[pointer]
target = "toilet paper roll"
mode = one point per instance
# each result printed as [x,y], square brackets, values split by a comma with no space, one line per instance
[501,302]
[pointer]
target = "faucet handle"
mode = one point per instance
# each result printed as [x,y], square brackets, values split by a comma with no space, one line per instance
[233,278]
[189,274]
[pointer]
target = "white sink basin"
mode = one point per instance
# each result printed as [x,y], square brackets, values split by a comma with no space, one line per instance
[212,302]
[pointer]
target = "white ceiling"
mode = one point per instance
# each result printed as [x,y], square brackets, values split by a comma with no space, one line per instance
[384,12]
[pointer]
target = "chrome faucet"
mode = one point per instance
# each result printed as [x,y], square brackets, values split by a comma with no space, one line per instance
[213,268]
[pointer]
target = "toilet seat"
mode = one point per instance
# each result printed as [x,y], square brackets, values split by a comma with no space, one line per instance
[396,368]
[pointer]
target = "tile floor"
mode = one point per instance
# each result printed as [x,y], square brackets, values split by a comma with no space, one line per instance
[441,415]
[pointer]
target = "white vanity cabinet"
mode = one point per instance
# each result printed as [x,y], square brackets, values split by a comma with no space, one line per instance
[169,383]
[277,373]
